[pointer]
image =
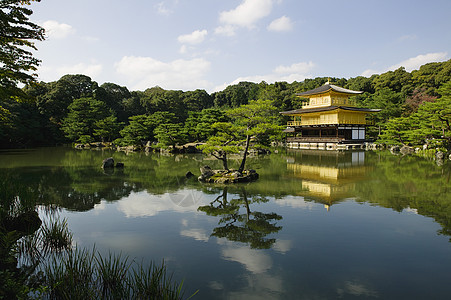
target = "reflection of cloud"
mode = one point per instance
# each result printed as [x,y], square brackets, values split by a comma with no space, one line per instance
[261,286]
[143,204]
[216,285]
[255,261]
[282,246]
[296,202]
[185,197]
[411,210]
[356,289]
[197,234]
[99,207]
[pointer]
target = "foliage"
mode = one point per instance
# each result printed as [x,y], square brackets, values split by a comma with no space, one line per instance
[169,134]
[135,115]
[17,33]
[198,125]
[431,122]
[255,121]
[224,142]
[84,114]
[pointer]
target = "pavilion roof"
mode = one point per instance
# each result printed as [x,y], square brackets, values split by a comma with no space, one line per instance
[326,108]
[326,88]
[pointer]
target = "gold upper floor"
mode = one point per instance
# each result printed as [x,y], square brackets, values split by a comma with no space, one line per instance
[329,99]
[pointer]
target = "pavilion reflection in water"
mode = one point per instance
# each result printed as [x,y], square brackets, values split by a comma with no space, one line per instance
[327,176]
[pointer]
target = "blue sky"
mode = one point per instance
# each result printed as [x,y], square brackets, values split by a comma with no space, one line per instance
[210,44]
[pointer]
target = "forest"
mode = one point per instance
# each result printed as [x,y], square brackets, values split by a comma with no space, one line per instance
[416,108]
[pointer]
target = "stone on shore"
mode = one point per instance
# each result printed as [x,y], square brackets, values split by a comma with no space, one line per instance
[108,163]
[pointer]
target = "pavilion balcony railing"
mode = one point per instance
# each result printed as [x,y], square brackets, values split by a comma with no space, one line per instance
[315,139]
[306,123]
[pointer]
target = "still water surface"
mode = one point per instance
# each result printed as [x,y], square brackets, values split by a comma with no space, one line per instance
[316,225]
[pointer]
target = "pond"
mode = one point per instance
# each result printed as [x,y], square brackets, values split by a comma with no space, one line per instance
[316,225]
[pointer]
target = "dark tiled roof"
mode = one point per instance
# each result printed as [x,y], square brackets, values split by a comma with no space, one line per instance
[326,88]
[327,108]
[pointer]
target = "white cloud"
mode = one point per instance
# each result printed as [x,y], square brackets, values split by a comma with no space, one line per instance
[411,64]
[415,63]
[92,70]
[302,67]
[55,30]
[146,72]
[196,37]
[162,7]
[294,72]
[281,24]
[227,30]
[48,73]
[183,49]
[247,13]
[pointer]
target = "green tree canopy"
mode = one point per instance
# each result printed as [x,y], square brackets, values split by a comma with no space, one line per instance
[17,62]
[83,115]
[255,121]
[17,33]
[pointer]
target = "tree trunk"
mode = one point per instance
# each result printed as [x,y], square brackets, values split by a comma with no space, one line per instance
[243,162]
[224,161]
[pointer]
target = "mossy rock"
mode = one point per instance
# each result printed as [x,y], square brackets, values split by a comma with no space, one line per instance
[231,176]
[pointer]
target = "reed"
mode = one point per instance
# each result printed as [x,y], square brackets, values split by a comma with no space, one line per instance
[83,274]
[113,276]
[153,282]
[55,235]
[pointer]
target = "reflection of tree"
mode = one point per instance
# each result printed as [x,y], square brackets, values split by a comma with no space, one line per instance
[18,219]
[415,183]
[246,226]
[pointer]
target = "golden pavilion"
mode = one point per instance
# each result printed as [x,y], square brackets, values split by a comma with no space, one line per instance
[329,120]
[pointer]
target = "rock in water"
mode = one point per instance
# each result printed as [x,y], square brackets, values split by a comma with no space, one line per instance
[108,163]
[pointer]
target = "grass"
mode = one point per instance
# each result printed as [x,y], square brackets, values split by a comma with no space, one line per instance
[83,274]
[55,235]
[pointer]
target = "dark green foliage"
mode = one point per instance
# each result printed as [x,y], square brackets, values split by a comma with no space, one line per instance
[116,98]
[135,115]
[431,121]
[170,134]
[236,95]
[16,35]
[84,114]
[199,125]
